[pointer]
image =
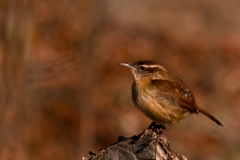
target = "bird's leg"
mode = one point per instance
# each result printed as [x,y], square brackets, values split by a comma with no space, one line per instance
[145,132]
[159,131]
[156,128]
[163,132]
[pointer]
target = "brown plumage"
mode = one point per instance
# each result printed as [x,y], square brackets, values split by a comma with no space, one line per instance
[160,95]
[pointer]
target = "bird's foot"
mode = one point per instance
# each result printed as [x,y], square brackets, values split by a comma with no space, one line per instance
[159,135]
[156,129]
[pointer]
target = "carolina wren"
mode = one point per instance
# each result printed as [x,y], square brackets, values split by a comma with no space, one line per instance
[160,95]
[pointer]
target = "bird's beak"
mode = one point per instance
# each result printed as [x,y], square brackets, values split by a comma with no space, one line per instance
[129,65]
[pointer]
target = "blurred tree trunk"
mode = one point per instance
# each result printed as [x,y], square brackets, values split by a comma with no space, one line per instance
[15,40]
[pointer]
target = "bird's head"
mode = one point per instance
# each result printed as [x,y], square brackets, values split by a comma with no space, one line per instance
[146,69]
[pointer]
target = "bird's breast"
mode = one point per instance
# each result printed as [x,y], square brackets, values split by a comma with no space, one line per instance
[158,106]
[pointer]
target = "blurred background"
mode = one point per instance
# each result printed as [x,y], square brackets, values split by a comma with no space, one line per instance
[62,93]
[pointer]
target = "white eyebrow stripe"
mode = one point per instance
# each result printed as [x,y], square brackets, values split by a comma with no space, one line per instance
[151,66]
[154,66]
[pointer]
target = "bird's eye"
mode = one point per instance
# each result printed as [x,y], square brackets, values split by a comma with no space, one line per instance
[142,68]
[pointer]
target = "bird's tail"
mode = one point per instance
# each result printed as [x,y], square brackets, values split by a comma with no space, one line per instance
[210,116]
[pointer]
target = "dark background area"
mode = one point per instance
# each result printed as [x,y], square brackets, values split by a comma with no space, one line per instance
[62,93]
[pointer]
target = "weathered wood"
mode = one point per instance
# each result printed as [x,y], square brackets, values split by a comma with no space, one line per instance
[143,146]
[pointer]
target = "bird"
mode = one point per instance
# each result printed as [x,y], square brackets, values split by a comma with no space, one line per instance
[161,96]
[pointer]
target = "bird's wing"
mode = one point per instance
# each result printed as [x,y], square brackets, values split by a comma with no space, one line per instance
[184,96]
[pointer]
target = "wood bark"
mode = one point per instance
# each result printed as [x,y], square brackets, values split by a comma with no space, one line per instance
[145,146]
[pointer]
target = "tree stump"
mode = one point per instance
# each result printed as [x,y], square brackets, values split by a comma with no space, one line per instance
[151,145]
